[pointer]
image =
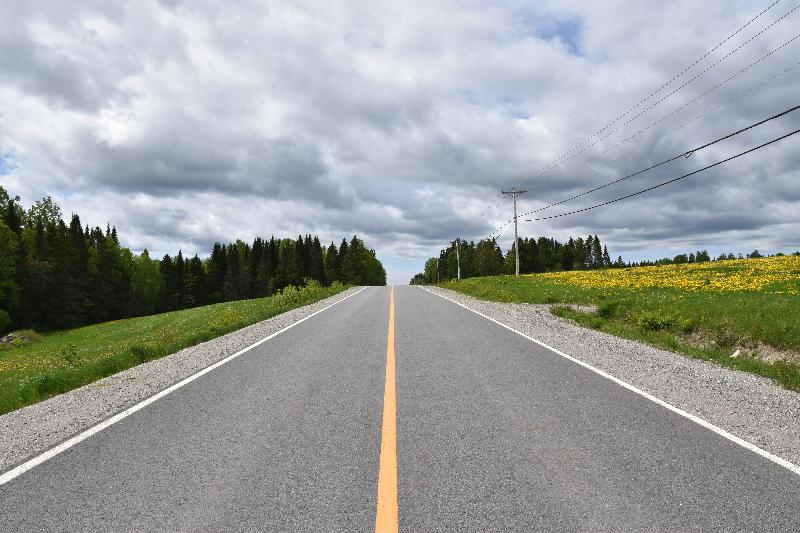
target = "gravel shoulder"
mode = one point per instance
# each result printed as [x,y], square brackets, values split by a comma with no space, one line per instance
[748,406]
[36,428]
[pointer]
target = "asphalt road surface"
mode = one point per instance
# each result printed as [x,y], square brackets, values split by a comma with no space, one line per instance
[493,433]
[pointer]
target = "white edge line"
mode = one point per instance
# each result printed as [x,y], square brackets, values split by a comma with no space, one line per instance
[708,425]
[52,452]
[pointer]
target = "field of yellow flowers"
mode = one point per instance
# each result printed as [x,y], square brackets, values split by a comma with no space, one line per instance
[713,310]
[772,275]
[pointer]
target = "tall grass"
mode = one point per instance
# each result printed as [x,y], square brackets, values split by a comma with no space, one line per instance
[64,360]
[709,325]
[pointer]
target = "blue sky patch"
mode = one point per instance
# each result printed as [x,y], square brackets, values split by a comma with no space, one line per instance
[568,31]
[550,27]
[6,164]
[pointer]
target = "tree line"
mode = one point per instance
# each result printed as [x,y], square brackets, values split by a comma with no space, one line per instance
[55,274]
[541,254]
[544,255]
[702,256]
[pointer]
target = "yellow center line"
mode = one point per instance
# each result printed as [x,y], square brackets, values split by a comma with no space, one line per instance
[386,514]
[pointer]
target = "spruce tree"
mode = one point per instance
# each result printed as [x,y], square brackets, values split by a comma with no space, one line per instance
[166,287]
[597,253]
[179,281]
[196,283]
[579,254]
[332,263]
[568,255]
[146,285]
[264,275]
[9,291]
[316,267]
[217,272]
[256,288]
[232,274]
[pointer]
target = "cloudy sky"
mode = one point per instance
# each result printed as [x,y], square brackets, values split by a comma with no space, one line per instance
[183,123]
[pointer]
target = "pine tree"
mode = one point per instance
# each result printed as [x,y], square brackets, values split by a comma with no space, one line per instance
[590,258]
[232,274]
[301,261]
[332,263]
[145,284]
[217,272]
[166,287]
[9,291]
[568,255]
[350,263]
[286,273]
[597,253]
[264,275]
[244,278]
[196,283]
[579,254]
[316,267]
[179,281]
[256,289]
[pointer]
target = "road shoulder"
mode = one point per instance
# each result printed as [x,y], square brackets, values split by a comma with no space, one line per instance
[752,408]
[31,430]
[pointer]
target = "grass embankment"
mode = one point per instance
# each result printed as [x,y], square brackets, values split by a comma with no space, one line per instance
[61,361]
[706,310]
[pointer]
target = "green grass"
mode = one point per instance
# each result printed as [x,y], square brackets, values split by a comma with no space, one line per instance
[704,325]
[64,360]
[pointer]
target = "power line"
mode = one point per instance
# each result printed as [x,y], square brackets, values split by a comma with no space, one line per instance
[491,206]
[687,153]
[559,161]
[556,162]
[685,124]
[673,180]
[685,84]
[706,93]
[673,158]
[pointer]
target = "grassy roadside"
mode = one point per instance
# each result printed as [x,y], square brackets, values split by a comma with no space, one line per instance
[61,361]
[708,313]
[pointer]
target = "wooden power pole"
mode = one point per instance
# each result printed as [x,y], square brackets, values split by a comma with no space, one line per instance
[458,260]
[513,193]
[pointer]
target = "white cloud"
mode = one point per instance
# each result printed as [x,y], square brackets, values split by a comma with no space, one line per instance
[186,122]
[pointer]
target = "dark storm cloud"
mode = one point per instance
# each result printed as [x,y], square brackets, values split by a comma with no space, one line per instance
[189,122]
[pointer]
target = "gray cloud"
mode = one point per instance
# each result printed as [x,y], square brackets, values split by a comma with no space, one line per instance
[187,122]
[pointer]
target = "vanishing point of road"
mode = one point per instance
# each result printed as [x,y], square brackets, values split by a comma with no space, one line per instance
[396,408]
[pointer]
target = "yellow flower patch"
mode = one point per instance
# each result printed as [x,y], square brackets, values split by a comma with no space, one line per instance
[775,275]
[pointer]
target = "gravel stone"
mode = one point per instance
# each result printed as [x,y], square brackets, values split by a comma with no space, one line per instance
[751,407]
[36,428]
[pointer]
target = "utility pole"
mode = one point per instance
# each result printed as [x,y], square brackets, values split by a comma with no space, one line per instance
[458,260]
[437,270]
[513,193]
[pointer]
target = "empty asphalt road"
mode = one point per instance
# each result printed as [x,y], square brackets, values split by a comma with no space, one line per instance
[468,426]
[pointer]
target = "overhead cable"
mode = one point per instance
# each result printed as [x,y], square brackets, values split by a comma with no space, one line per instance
[673,180]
